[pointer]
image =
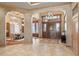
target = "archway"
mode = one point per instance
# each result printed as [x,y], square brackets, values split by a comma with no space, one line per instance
[14,27]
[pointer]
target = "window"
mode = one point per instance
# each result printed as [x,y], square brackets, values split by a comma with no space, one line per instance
[51,17]
[57,27]
[34,27]
[44,27]
[17,28]
[65,26]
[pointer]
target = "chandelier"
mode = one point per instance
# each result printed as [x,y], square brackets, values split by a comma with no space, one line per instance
[50,15]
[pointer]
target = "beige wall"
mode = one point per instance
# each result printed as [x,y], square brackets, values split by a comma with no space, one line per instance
[73,29]
[78,26]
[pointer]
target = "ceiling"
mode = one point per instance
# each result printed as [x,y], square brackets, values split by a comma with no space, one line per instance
[26,5]
[15,14]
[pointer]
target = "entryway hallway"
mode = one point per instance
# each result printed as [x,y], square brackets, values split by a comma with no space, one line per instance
[40,47]
[51,22]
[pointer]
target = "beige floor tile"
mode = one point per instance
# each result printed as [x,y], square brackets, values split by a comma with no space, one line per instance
[40,47]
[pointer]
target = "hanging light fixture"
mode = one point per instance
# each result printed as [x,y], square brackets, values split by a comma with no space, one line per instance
[50,15]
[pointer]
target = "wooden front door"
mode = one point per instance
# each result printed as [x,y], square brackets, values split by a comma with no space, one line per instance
[54,29]
[45,32]
[51,30]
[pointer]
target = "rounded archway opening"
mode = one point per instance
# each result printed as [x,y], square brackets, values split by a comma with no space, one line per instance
[14,22]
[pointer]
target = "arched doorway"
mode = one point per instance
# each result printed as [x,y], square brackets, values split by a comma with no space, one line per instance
[14,28]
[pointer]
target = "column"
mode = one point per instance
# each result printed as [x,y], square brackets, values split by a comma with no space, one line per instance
[27,28]
[69,26]
[2,27]
[40,27]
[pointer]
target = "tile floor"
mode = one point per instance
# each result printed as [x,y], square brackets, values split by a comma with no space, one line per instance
[40,47]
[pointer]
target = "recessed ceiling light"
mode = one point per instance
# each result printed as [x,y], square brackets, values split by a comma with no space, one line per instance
[33,3]
[22,24]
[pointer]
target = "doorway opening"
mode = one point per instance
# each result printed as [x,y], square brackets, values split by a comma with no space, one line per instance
[35,25]
[51,28]
[14,28]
